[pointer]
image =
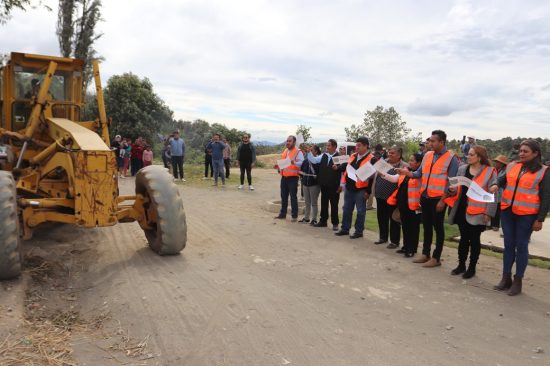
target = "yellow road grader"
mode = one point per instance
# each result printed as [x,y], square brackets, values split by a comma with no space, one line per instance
[56,168]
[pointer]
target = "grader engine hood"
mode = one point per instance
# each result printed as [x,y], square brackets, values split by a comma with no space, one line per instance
[95,183]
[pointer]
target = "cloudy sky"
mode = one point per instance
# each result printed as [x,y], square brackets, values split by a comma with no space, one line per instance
[468,67]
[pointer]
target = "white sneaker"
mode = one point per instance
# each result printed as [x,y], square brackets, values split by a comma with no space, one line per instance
[183,180]
[250,188]
[240,187]
[204,178]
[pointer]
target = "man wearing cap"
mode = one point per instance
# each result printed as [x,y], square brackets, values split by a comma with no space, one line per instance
[500,165]
[177,152]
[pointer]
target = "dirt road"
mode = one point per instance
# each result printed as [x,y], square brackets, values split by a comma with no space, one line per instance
[251,291]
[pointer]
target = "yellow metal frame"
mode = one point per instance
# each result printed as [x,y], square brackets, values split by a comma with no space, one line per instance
[65,170]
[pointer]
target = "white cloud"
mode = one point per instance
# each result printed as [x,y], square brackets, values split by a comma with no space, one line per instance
[470,67]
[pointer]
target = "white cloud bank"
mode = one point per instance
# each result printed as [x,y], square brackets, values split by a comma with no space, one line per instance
[469,67]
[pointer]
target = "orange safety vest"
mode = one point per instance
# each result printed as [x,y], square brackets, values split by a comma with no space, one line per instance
[358,184]
[474,207]
[435,175]
[413,193]
[291,170]
[525,188]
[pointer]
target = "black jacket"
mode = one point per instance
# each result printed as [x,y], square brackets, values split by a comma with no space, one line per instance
[326,176]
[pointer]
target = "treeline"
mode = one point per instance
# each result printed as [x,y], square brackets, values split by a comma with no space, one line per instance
[504,146]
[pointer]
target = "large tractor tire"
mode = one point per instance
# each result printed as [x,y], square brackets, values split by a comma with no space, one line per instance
[164,211]
[10,242]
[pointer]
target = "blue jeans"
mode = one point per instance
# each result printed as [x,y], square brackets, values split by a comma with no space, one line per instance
[289,186]
[517,232]
[218,166]
[354,199]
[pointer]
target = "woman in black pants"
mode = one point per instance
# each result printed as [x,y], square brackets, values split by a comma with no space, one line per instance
[246,158]
[471,216]
[407,199]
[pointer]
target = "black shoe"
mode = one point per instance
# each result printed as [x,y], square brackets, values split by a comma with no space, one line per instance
[356,235]
[380,241]
[313,222]
[341,233]
[408,255]
[280,217]
[304,220]
[470,272]
[400,251]
[392,246]
[334,227]
[320,224]
[461,268]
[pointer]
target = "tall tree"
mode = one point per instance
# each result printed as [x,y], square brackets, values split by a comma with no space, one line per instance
[380,125]
[76,30]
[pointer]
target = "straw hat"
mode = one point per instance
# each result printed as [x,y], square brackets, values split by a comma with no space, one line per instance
[501,159]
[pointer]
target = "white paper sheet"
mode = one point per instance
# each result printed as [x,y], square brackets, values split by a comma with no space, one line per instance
[351,173]
[365,172]
[299,139]
[460,181]
[283,163]
[340,159]
[382,166]
[477,193]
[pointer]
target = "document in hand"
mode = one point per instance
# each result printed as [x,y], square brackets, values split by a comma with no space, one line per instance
[459,181]
[351,173]
[382,166]
[477,193]
[283,163]
[365,172]
[340,159]
[299,139]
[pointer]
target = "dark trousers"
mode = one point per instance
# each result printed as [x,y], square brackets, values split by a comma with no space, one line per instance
[207,164]
[246,166]
[289,186]
[227,163]
[330,195]
[470,241]
[432,220]
[136,164]
[177,166]
[517,233]
[387,225]
[495,221]
[410,224]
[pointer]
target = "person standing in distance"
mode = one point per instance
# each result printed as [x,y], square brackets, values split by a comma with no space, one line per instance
[217,147]
[246,158]
[177,152]
[289,178]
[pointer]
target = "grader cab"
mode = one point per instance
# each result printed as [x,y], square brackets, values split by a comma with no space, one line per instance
[54,167]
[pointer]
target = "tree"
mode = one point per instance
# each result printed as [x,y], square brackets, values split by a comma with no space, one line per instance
[304,131]
[381,126]
[7,6]
[134,108]
[77,36]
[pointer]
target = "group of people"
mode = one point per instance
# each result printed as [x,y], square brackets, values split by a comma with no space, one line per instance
[419,193]
[217,158]
[131,155]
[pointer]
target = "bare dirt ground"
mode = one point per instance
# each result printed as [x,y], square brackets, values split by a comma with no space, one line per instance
[251,291]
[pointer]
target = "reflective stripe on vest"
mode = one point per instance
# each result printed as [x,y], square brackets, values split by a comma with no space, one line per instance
[413,193]
[434,175]
[526,200]
[358,184]
[291,170]
[482,179]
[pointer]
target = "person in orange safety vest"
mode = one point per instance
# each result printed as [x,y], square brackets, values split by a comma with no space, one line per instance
[289,178]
